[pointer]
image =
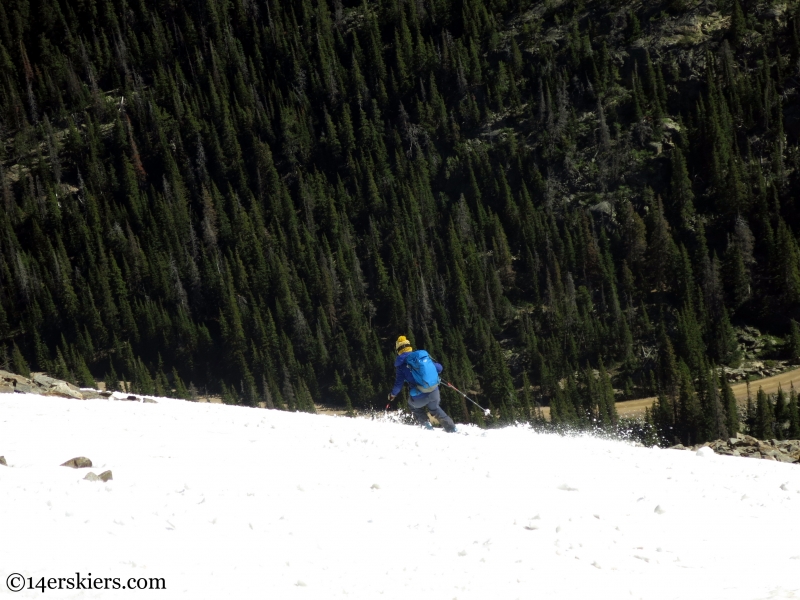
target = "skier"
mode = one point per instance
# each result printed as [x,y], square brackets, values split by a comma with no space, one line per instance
[422,374]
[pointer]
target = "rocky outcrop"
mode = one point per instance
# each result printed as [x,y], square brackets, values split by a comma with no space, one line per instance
[39,384]
[787,451]
[55,387]
[3,461]
[44,385]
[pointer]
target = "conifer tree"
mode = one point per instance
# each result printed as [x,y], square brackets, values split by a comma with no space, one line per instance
[738,24]
[18,362]
[180,387]
[728,401]
[793,412]
[793,343]
[764,417]
[111,378]
[681,189]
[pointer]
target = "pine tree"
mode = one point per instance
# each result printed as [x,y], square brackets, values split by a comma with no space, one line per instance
[764,417]
[180,387]
[18,362]
[681,189]
[793,343]
[111,378]
[736,276]
[738,25]
[690,420]
[728,401]
[781,413]
[793,412]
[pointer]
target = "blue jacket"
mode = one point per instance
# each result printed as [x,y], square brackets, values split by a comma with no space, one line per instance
[403,374]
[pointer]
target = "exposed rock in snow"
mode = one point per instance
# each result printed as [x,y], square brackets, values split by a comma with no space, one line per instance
[39,384]
[787,451]
[79,462]
[104,476]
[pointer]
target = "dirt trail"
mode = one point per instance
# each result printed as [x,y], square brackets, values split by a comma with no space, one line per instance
[635,408]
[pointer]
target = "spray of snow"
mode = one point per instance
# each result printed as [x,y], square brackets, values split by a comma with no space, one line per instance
[227,502]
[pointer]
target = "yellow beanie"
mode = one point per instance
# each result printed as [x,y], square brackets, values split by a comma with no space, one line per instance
[402,345]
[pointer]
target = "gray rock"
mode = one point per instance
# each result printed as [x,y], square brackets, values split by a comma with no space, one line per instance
[3,461]
[603,207]
[6,388]
[79,462]
[787,451]
[91,477]
[26,388]
[106,476]
[64,390]
[133,398]
[149,401]
[106,394]
[13,378]
[18,383]
[44,381]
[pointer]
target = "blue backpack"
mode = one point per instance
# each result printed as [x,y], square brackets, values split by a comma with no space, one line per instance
[423,370]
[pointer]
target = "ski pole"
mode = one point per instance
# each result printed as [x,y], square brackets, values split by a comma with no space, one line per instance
[454,388]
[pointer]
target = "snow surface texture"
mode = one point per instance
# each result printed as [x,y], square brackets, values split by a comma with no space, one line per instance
[228,502]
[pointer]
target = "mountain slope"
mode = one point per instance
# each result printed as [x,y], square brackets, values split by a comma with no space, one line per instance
[254,198]
[222,501]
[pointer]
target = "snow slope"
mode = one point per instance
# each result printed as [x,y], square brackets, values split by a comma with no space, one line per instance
[227,502]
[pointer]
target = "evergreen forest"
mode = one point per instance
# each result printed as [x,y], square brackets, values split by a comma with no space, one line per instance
[566,202]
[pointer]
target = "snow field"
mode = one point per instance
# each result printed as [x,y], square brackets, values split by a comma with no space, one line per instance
[228,502]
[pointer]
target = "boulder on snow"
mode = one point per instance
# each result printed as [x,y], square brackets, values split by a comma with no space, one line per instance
[3,461]
[13,378]
[62,389]
[106,476]
[5,388]
[91,477]
[44,380]
[149,401]
[132,398]
[79,462]
[50,386]
[25,388]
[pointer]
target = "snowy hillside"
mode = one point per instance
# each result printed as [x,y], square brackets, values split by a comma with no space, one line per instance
[227,502]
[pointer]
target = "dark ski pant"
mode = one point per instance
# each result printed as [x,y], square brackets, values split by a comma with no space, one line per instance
[430,402]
